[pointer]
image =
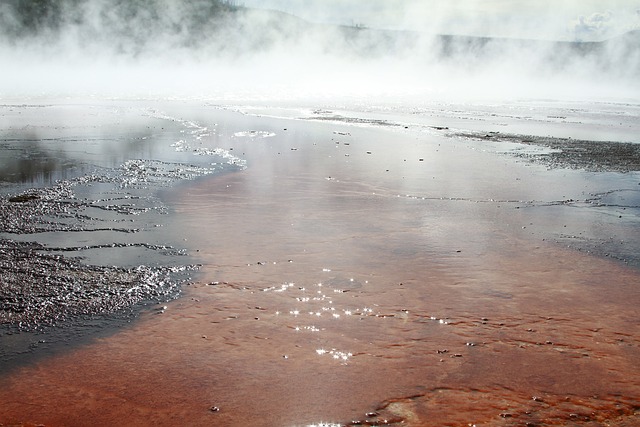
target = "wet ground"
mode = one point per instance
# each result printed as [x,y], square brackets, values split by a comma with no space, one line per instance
[595,156]
[82,225]
[385,270]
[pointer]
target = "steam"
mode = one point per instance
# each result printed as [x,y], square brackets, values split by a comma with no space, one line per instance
[541,19]
[223,50]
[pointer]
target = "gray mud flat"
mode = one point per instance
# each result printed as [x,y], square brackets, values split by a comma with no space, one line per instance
[84,236]
[594,156]
[48,301]
[41,289]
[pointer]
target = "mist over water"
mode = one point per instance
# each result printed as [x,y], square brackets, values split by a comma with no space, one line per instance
[222,50]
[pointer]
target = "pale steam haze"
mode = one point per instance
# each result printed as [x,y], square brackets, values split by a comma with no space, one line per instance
[363,51]
[537,19]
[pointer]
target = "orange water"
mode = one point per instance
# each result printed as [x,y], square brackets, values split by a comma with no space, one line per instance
[344,290]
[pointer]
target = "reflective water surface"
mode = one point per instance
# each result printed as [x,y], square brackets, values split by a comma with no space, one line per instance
[371,275]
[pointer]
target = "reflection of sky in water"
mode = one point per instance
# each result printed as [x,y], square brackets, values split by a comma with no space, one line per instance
[108,163]
[623,198]
[67,141]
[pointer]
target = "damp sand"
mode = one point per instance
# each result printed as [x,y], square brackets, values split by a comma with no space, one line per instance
[364,274]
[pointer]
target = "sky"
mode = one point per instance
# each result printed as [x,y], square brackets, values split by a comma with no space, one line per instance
[538,19]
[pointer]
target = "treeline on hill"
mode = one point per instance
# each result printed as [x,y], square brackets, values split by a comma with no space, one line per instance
[128,24]
[21,18]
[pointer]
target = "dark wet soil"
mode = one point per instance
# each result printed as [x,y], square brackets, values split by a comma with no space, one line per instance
[41,289]
[84,234]
[44,285]
[593,156]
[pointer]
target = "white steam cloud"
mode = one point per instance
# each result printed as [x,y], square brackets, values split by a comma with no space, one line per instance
[223,50]
[539,19]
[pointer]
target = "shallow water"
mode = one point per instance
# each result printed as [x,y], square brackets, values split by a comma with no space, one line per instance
[369,274]
[82,223]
